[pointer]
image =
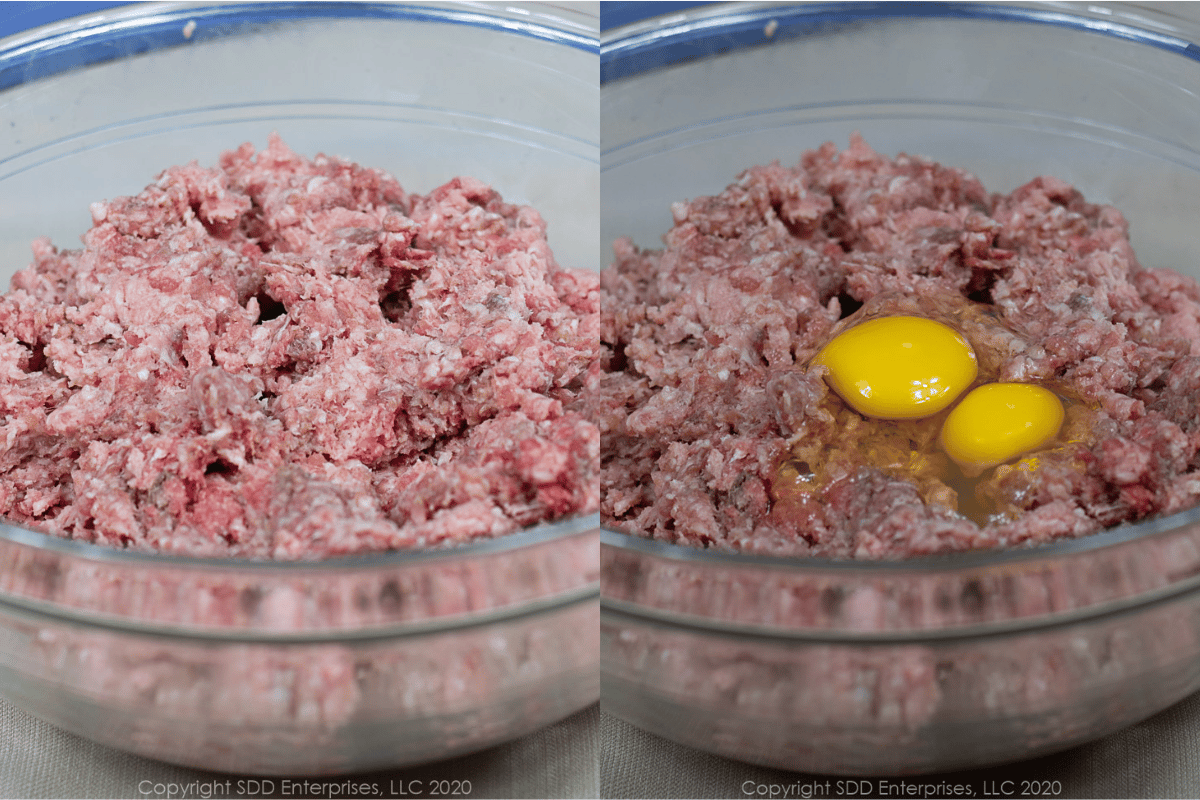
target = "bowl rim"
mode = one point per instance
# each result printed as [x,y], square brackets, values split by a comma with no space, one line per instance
[139,28]
[704,31]
[571,527]
[964,561]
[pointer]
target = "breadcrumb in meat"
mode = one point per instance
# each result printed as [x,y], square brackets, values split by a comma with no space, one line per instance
[291,358]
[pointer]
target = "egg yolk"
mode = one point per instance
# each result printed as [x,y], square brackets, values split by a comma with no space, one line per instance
[999,421]
[899,367]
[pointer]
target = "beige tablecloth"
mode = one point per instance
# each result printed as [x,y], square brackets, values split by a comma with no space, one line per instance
[1159,757]
[38,760]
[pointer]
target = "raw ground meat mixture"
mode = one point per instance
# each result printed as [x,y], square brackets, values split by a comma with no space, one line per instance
[285,358]
[716,435]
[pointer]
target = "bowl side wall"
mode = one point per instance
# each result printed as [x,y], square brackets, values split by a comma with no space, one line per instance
[304,708]
[899,708]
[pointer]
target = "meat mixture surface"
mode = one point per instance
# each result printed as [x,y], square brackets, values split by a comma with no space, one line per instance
[720,432]
[291,358]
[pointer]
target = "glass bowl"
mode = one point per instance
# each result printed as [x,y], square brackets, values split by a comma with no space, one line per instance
[938,663]
[351,663]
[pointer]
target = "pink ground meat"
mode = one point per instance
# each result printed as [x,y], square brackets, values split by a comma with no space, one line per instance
[285,358]
[705,394]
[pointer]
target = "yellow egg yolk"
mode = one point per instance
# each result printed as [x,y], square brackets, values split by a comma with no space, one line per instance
[899,367]
[1000,421]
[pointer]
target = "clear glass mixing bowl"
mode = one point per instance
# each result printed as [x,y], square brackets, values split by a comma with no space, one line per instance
[351,663]
[932,664]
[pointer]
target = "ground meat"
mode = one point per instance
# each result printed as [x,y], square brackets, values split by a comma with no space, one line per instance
[705,400]
[285,358]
